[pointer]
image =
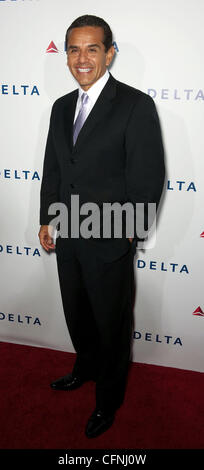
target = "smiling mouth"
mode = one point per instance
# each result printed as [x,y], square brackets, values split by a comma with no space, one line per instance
[83,70]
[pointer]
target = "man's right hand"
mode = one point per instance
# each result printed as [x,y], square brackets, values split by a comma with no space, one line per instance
[46,240]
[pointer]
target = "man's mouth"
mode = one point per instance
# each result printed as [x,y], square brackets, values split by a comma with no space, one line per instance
[83,69]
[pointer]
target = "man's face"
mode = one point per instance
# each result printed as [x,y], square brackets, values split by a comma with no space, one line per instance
[86,56]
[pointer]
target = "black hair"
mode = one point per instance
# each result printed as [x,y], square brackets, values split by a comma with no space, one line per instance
[91,20]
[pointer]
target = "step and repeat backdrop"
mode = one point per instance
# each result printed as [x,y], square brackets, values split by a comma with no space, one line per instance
[159,49]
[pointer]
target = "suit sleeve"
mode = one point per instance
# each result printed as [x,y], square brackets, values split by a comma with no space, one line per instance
[144,157]
[51,176]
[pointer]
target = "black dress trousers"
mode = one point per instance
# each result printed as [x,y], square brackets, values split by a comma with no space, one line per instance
[97,287]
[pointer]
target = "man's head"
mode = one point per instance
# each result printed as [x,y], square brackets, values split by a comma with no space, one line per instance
[89,49]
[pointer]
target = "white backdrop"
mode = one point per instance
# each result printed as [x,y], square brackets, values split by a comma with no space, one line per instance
[160,51]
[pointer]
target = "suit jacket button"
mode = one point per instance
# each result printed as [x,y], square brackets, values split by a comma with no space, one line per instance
[73,160]
[72,185]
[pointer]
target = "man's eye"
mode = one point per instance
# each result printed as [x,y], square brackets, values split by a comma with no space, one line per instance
[92,50]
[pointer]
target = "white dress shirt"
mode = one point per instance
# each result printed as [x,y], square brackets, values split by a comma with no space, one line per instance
[93,92]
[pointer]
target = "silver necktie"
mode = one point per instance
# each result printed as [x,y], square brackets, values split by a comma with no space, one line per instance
[81,117]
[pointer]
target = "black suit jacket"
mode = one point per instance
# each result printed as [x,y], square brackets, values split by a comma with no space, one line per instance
[118,155]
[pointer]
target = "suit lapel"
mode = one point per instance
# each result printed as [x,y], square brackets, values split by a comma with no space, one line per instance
[68,119]
[98,112]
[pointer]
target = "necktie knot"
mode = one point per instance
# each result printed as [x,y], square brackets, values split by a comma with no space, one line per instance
[84,98]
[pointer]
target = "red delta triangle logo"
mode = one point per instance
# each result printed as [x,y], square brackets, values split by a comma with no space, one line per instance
[52,47]
[198,312]
[202,235]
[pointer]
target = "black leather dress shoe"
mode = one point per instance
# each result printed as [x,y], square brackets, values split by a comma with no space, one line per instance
[68,382]
[98,423]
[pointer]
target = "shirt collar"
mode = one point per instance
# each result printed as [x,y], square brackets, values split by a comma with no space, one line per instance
[94,91]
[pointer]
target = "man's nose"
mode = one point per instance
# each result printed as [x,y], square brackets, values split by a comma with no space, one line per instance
[82,57]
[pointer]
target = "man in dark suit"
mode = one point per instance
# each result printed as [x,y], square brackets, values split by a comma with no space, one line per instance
[104,145]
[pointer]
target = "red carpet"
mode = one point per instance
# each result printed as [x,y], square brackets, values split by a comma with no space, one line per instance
[163,407]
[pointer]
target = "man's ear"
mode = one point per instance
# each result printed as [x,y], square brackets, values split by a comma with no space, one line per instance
[109,55]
